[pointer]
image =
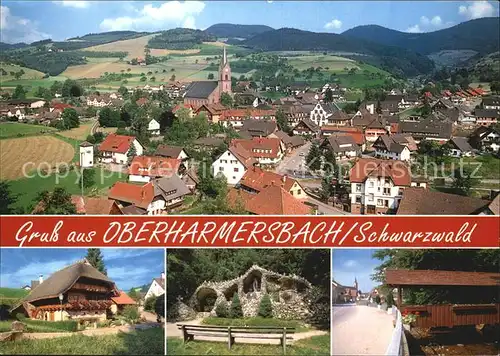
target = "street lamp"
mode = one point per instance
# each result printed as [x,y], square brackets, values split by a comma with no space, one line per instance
[61,300]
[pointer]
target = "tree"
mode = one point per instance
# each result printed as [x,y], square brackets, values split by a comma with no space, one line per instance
[6,199]
[132,152]
[134,295]
[221,310]
[329,161]
[328,96]
[57,202]
[95,258]
[313,159]
[266,307]
[19,92]
[210,76]
[235,311]
[282,121]
[172,78]
[71,88]
[426,109]
[149,303]
[70,118]
[88,176]
[463,180]
[226,100]
[122,90]
[378,109]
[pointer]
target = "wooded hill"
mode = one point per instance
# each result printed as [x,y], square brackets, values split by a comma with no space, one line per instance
[480,35]
[180,39]
[229,30]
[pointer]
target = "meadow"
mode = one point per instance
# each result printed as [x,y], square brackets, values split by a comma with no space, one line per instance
[79,133]
[316,345]
[27,189]
[28,73]
[140,342]
[14,129]
[43,152]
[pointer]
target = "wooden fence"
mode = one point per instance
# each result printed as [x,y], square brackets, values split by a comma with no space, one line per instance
[450,315]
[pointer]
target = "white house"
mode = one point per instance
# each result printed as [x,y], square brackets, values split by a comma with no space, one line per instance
[377,185]
[157,287]
[19,113]
[387,148]
[233,164]
[99,101]
[37,104]
[321,112]
[460,147]
[86,155]
[154,127]
[116,148]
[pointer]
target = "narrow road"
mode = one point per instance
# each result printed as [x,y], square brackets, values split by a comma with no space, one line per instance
[294,162]
[360,330]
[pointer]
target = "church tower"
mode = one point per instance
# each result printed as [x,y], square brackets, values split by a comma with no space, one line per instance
[356,284]
[224,75]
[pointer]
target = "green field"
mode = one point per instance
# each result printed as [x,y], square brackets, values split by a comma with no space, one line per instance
[28,73]
[27,189]
[12,292]
[14,129]
[145,342]
[317,345]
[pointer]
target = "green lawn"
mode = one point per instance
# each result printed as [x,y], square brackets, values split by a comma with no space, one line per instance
[317,345]
[15,129]
[487,165]
[27,189]
[40,326]
[12,292]
[257,321]
[146,342]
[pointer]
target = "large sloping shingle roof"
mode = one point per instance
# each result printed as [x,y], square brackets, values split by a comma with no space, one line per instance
[201,90]
[62,280]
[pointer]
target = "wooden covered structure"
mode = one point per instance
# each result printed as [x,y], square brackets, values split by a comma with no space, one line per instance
[447,315]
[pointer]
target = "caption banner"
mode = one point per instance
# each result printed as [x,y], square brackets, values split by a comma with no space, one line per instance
[250,231]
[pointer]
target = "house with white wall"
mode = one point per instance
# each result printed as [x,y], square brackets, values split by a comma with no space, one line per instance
[377,185]
[154,127]
[157,287]
[233,164]
[387,148]
[116,148]
[322,112]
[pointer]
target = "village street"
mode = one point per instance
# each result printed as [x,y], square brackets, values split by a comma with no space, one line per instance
[360,330]
[294,162]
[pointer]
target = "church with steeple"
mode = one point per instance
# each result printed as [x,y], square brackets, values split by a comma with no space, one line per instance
[209,92]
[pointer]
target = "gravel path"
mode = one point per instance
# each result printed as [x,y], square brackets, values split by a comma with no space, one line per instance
[361,330]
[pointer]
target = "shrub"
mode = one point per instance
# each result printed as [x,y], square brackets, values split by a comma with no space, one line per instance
[266,307]
[377,299]
[319,307]
[67,325]
[20,316]
[235,310]
[390,300]
[221,310]
[149,303]
[131,314]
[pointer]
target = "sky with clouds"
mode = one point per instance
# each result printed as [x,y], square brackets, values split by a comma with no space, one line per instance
[126,267]
[28,21]
[349,264]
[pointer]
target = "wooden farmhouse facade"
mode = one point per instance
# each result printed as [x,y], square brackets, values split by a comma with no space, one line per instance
[77,292]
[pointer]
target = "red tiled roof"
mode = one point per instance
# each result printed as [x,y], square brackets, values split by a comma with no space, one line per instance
[142,101]
[154,166]
[123,299]
[258,179]
[215,108]
[370,167]
[260,143]
[140,196]
[116,143]
[182,106]
[61,106]
[440,278]
[245,157]
[92,206]
[272,200]
[241,114]
[354,132]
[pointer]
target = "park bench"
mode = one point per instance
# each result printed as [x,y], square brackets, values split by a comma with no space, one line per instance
[232,332]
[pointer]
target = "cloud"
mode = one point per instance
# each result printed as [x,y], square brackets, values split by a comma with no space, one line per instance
[477,9]
[15,29]
[32,271]
[73,3]
[426,23]
[151,18]
[350,263]
[414,29]
[335,24]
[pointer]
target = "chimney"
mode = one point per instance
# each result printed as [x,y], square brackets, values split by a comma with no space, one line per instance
[40,279]
[163,275]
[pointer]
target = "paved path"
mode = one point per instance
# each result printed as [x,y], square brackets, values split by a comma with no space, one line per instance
[173,331]
[294,161]
[360,330]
